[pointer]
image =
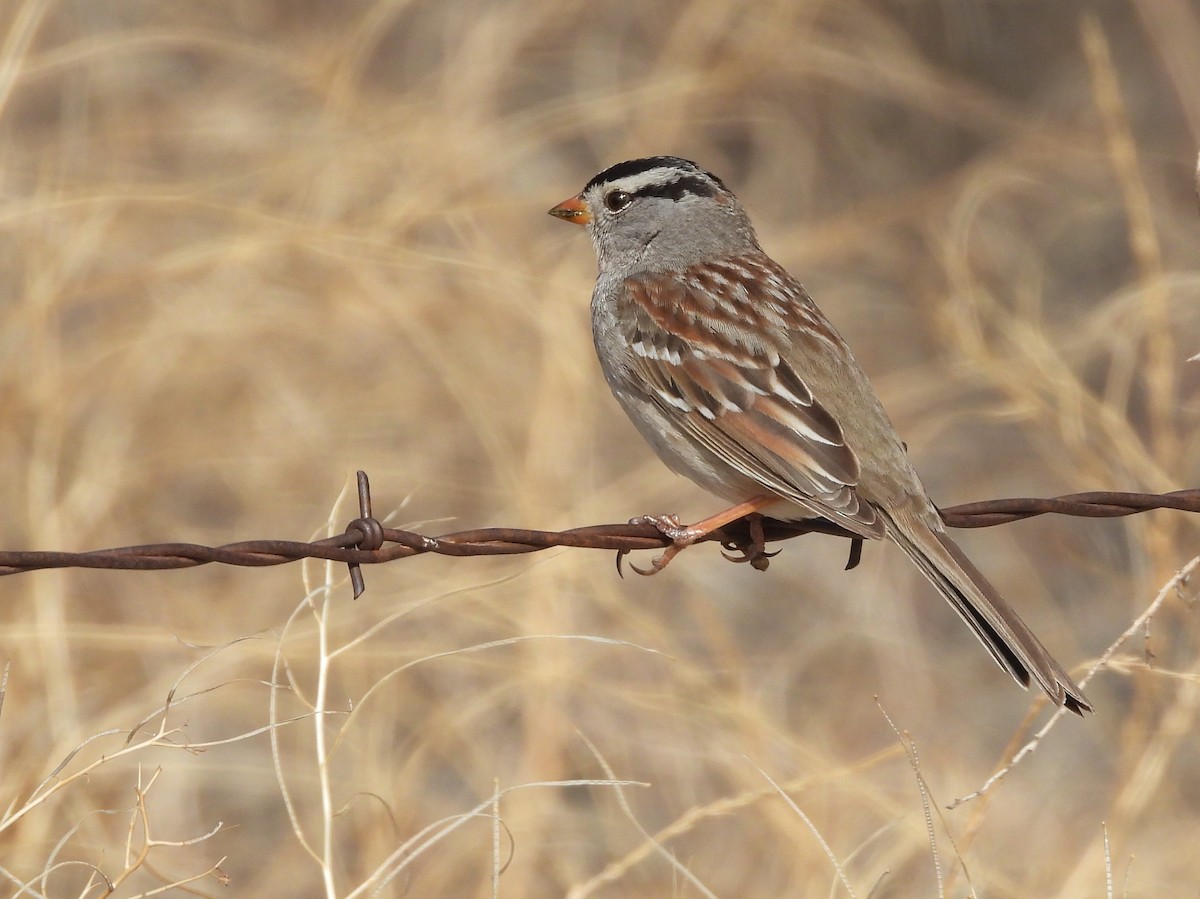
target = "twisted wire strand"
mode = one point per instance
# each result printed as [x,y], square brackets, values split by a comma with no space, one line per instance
[367,542]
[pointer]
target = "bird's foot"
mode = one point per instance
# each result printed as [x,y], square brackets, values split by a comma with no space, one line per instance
[684,535]
[681,536]
[754,552]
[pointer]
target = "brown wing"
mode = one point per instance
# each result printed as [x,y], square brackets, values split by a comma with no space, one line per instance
[726,367]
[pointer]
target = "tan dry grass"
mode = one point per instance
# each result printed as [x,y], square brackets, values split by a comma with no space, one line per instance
[250,247]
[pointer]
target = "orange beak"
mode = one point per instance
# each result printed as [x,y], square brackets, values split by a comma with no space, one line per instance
[573,210]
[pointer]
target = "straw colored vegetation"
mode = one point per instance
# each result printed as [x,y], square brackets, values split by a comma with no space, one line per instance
[248,247]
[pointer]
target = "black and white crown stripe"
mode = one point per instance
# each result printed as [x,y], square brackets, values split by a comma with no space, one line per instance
[659,176]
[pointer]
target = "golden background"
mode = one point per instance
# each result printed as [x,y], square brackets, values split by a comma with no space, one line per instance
[249,247]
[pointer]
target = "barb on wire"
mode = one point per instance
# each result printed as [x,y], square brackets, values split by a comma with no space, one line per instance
[367,542]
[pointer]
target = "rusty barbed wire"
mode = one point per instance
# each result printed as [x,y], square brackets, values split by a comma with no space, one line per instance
[366,541]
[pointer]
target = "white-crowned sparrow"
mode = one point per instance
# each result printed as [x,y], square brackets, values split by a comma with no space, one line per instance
[738,381]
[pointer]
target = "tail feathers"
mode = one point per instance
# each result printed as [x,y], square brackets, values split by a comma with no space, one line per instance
[998,627]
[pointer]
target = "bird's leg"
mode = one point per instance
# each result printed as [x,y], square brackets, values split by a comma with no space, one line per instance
[683,536]
[754,552]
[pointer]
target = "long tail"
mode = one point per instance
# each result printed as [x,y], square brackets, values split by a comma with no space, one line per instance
[999,628]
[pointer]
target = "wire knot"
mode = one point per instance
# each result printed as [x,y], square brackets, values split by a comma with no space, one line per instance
[371,532]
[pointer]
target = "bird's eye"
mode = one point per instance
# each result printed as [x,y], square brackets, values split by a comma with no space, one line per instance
[616,200]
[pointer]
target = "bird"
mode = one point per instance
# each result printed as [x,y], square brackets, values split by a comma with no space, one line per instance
[739,382]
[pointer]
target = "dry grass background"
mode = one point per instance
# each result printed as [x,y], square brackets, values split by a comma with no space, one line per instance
[249,247]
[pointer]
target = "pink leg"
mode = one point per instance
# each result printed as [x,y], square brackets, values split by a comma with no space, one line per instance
[683,536]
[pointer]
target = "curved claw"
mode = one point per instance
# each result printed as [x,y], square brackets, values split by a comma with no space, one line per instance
[659,562]
[753,555]
[654,568]
[739,559]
